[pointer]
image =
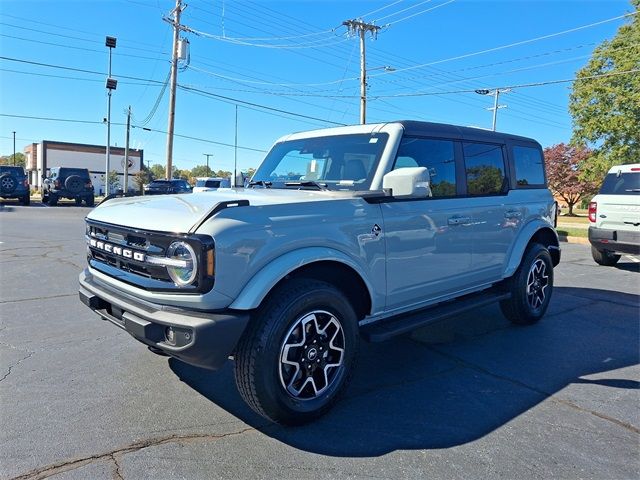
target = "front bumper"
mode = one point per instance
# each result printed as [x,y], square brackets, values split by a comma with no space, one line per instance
[199,338]
[618,241]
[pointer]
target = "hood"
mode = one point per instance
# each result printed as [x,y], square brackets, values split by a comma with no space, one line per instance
[179,213]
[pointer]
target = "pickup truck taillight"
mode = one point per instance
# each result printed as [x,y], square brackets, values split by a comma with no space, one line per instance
[26,182]
[88,184]
[593,208]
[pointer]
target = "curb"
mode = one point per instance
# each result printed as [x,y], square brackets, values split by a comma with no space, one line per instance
[578,240]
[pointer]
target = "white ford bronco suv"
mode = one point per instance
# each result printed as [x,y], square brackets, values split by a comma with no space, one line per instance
[348,233]
[614,215]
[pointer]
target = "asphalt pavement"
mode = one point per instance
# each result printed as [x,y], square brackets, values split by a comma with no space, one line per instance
[473,397]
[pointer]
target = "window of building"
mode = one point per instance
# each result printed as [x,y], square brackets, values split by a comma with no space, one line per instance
[438,156]
[484,165]
[529,166]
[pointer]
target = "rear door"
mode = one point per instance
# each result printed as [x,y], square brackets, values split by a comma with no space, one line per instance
[495,220]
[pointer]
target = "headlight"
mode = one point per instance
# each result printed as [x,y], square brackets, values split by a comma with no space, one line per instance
[185,270]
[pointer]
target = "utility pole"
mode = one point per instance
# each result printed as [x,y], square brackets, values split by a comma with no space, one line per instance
[14,149]
[235,153]
[208,155]
[359,27]
[174,80]
[496,94]
[126,152]
[111,85]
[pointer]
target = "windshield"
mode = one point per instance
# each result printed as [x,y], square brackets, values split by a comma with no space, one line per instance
[340,162]
[621,184]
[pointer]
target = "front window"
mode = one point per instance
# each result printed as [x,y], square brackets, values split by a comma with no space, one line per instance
[339,162]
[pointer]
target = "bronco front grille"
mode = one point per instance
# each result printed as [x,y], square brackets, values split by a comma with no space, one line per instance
[122,253]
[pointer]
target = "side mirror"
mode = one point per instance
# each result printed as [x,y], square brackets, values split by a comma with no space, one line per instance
[408,183]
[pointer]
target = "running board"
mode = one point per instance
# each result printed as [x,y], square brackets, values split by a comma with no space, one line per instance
[388,328]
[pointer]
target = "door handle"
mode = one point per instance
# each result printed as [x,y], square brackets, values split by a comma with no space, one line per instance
[458,220]
[512,214]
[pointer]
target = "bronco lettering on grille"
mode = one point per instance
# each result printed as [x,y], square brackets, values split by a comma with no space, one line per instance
[116,250]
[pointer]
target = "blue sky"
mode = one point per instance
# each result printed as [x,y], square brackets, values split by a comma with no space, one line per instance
[292,56]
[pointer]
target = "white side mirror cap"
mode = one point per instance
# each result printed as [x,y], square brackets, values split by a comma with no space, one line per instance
[408,182]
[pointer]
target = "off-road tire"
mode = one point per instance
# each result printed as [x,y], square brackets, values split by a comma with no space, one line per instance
[7,183]
[530,286]
[259,354]
[78,201]
[90,201]
[74,183]
[604,258]
[26,200]
[52,200]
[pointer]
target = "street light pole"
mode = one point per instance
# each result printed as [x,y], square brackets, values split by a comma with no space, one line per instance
[110,43]
[208,155]
[14,149]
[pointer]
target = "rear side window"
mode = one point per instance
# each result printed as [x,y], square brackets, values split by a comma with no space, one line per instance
[212,184]
[621,184]
[437,156]
[484,165]
[529,166]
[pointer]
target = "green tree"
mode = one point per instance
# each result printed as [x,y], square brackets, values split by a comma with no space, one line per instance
[157,171]
[606,110]
[201,171]
[114,181]
[8,159]
[141,178]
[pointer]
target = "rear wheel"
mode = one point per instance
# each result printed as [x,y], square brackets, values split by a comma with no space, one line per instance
[90,201]
[604,258]
[52,200]
[530,287]
[78,201]
[26,200]
[297,355]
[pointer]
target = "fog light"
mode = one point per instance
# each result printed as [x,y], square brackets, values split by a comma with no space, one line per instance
[170,334]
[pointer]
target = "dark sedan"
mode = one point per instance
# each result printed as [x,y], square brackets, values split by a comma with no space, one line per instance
[163,187]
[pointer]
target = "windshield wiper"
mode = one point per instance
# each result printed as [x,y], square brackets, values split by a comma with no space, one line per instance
[307,183]
[261,183]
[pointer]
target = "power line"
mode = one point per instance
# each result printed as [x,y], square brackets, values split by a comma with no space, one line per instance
[71,120]
[419,13]
[515,44]
[380,9]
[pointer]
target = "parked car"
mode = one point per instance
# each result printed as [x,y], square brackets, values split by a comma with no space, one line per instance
[14,184]
[72,183]
[614,215]
[207,184]
[163,187]
[365,231]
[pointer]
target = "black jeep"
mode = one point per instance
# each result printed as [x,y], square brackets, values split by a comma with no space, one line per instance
[72,183]
[14,183]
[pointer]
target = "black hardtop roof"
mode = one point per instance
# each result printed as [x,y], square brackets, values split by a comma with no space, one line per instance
[428,129]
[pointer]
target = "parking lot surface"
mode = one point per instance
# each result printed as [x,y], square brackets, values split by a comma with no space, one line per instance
[473,397]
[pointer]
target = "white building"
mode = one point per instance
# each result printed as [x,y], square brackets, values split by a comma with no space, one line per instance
[41,157]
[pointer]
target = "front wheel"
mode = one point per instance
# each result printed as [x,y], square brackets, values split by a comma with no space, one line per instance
[530,287]
[298,353]
[604,258]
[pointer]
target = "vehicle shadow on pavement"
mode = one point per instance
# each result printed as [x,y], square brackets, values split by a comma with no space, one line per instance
[457,381]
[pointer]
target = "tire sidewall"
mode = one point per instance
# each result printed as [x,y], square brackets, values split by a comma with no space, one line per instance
[320,296]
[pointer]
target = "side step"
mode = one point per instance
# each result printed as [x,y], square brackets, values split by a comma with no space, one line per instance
[391,327]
